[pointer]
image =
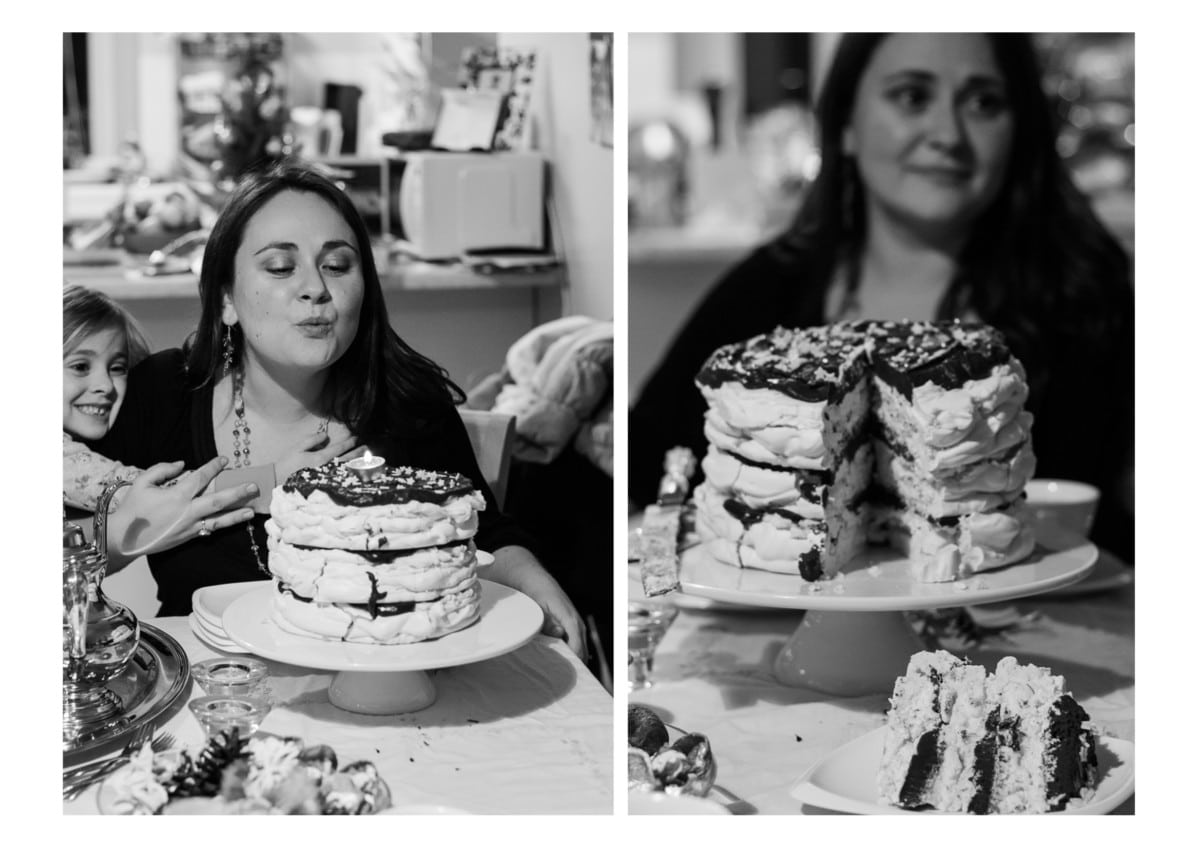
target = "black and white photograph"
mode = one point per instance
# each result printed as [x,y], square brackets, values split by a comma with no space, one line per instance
[881,424]
[338,345]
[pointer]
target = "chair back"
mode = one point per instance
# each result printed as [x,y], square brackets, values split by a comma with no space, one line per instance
[492,435]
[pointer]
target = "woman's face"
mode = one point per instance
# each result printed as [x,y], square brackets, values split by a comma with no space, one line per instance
[298,286]
[931,129]
[94,377]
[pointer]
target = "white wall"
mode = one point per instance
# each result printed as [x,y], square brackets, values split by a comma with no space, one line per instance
[581,169]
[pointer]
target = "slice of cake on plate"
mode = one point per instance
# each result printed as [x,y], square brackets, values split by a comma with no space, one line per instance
[960,740]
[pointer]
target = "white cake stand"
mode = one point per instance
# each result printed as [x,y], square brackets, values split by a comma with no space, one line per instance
[386,679]
[854,640]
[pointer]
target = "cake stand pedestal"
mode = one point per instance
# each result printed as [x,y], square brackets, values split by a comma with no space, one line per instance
[854,638]
[386,679]
[381,692]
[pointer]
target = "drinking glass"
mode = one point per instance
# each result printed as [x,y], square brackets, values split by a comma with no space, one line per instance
[648,621]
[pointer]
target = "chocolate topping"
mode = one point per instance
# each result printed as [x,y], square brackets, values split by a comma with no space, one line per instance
[396,484]
[823,363]
[820,363]
[947,353]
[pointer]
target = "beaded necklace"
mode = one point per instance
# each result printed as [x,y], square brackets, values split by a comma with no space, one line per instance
[241,453]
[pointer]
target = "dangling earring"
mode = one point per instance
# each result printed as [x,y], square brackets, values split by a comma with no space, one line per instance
[227,348]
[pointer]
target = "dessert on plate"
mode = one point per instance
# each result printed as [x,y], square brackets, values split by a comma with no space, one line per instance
[826,439]
[655,764]
[961,740]
[386,560]
[235,776]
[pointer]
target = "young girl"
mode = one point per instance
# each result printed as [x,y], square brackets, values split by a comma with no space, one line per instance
[101,342]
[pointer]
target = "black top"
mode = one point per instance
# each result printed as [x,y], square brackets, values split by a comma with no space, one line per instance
[162,420]
[1081,398]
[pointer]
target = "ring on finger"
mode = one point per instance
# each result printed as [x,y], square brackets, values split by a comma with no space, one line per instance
[205,530]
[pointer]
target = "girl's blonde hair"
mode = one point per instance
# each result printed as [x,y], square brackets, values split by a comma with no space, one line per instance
[86,311]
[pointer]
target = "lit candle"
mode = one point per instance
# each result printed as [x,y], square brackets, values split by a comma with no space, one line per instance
[366,466]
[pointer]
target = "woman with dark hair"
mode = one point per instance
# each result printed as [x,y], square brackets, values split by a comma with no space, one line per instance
[294,348]
[940,195]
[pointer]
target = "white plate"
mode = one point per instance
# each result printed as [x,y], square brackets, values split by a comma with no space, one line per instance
[209,602]
[879,581]
[424,810]
[845,780]
[507,620]
[218,643]
[1109,574]
[662,804]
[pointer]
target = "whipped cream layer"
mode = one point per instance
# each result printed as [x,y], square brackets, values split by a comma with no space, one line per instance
[770,542]
[980,487]
[944,417]
[320,522]
[988,436]
[967,545]
[758,485]
[414,622]
[767,426]
[337,576]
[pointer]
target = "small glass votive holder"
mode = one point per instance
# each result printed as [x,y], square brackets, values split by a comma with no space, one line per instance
[218,713]
[230,676]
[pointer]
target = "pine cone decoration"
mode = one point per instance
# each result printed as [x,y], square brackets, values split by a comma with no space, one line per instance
[203,777]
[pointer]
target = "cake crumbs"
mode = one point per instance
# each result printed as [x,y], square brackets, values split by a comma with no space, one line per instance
[874,571]
[799,738]
[839,589]
[960,585]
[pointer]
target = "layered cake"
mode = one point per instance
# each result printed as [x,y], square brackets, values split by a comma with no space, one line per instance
[388,560]
[961,740]
[824,439]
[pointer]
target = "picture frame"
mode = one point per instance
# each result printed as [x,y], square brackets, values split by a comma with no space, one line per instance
[513,73]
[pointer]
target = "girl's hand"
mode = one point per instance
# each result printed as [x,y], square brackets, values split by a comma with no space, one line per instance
[163,508]
[310,452]
[517,568]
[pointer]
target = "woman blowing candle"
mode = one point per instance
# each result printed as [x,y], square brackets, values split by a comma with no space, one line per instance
[294,342]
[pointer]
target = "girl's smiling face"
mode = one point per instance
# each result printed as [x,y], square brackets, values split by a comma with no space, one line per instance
[95,372]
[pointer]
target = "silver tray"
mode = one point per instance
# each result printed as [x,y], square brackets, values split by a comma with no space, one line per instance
[156,676]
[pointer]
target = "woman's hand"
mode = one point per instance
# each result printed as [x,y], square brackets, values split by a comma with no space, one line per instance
[163,508]
[517,568]
[311,452]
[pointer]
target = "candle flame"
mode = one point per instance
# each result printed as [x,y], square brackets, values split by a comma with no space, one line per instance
[367,456]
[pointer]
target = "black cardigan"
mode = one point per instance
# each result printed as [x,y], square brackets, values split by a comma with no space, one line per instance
[162,420]
[1081,398]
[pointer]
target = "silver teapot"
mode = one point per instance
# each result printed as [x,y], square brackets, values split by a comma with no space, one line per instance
[100,636]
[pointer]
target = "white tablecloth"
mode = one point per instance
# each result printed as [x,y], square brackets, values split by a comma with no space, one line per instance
[713,675]
[528,732]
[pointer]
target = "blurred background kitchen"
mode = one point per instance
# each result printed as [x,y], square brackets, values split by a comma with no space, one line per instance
[482,163]
[722,147]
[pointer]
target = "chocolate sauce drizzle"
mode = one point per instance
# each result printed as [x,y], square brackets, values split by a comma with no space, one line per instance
[396,484]
[374,607]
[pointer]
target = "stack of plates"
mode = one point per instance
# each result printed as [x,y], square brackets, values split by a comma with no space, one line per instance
[208,605]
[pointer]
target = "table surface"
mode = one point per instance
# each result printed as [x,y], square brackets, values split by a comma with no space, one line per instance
[528,732]
[713,675]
